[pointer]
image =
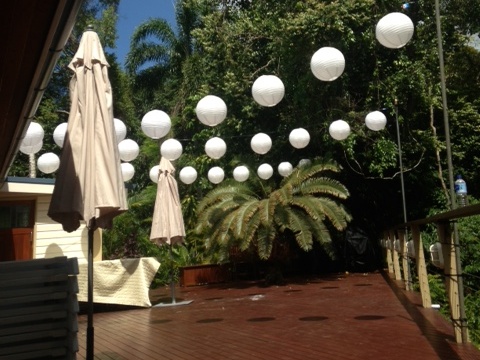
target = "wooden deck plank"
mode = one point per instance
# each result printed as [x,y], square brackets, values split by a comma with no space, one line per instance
[334,317]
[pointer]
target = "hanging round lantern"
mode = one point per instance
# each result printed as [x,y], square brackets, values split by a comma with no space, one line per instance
[436,254]
[154,173]
[261,143]
[156,124]
[304,162]
[128,150]
[376,120]
[216,175]
[394,30]
[171,149]
[34,134]
[241,173]
[339,130]
[299,138]
[268,90]
[59,134]
[31,149]
[215,148]
[285,168]
[188,175]
[120,129]
[127,171]
[211,110]
[327,64]
[48,163]
[265,171]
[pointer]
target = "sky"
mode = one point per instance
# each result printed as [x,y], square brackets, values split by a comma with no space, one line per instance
[134,12]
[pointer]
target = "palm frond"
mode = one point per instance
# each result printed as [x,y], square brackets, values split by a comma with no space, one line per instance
[334,212]
[324,186]
[301,229]
[265,242]
[244,215]
[228,191]
[267,210]
[249,232]
[302,174]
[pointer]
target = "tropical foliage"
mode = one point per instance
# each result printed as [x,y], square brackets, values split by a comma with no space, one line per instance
[305,207]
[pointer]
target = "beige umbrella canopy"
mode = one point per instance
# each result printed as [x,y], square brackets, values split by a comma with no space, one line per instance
[167,222]
[89,184]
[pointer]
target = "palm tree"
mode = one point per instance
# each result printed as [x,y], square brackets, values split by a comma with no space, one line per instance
[157,52]
[305,206]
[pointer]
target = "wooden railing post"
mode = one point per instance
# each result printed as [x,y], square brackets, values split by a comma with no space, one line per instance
[421,267]
[388,252]
[405,263]
[396,263]
[445,237]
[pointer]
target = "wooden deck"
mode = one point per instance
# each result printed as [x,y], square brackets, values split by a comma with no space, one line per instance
[334,317]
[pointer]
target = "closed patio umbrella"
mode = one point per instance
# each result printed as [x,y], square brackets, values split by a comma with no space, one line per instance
[89,185]
[167,222]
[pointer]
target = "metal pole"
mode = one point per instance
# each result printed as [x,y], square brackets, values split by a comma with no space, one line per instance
[399,144]
[90,331]
[453,203]
[404,203]
[172,278]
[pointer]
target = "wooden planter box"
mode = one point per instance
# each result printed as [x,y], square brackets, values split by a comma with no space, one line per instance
[204,274]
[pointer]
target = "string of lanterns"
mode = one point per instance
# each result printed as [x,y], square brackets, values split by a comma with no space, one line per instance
[393,31]
[327,64]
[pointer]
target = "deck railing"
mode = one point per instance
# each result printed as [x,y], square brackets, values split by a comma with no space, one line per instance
[448,236]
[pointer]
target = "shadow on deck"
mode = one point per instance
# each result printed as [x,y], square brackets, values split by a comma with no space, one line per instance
[359,316]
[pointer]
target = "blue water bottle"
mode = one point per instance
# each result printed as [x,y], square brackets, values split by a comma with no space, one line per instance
[461,191]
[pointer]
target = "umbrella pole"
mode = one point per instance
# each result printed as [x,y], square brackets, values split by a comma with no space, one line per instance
[172,282]
[90,331]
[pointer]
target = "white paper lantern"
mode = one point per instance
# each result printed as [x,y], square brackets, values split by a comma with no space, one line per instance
[156,124]
[394,30]
[327,64]
[285,168]
[265,171]
[261,143]
[128,150]
[48,163]
[188,175]
[120,129]
[436,255]
[215,148]
[127,171]
[211,110]
[216,175]
[268,90]
[31,149]
[241,173]
[304,162]
[299,138]
[171,149]
[154,173]
[339,130]
[411,249]
[59,134]
[34,134]
[376,120]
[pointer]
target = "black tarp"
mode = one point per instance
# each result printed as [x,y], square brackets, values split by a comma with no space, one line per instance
[360,252]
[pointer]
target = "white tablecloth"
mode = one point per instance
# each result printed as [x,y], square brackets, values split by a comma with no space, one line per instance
[123,281]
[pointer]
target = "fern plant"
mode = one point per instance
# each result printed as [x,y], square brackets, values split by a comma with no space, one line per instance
[307,205]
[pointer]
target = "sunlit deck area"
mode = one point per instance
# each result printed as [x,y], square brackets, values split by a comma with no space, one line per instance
[339,316]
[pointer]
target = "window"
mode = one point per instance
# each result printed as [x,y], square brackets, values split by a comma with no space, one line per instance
[16,214]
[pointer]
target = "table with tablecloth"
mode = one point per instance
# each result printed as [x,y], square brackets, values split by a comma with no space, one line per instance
[121,281]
